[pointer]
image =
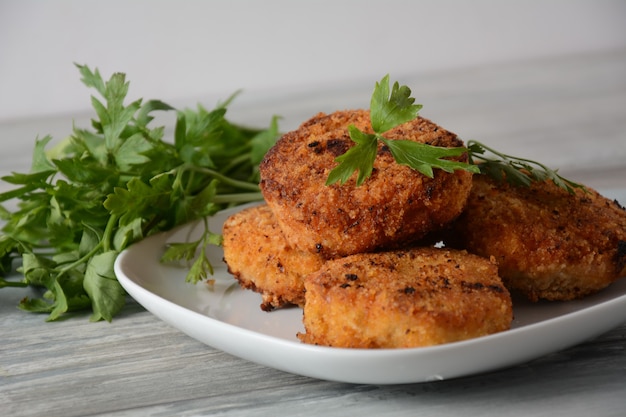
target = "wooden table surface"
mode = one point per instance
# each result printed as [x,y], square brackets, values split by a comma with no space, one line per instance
[568,111]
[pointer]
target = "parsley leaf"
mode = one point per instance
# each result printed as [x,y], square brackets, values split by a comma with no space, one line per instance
[389,109]
[358,158]
[423,157]
[102,286]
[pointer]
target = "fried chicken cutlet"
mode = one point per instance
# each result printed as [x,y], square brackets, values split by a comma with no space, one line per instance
[395,205]
[258,256]
[404,298]
[549,244]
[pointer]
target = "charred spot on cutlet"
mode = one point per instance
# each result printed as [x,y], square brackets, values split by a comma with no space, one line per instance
[315,147]
[352,277]
[478,286]
[429,192]
[408,290]
[496,288]
[337,146]
[267,307]
[621,255]
[472,285]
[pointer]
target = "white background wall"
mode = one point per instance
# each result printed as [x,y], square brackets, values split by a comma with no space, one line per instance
[189,50]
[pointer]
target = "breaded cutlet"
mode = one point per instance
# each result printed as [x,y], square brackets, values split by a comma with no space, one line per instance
[549,244]
[405,298]
[396,205]
[258,256]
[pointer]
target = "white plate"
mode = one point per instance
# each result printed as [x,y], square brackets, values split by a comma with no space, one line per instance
[229,318]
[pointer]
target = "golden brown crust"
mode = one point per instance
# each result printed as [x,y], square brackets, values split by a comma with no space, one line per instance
[416,297]
[260,258]
[548,244]
[396,204]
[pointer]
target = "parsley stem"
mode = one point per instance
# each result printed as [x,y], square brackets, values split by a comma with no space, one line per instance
[190,182]
[226,180]
[522,171]
[244,185]
[104,244]
[236,161]
[108,232]
[501,155]
[6,284]
[79,261]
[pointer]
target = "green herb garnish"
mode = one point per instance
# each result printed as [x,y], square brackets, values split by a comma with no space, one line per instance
[104,188]
[391,109]
[516,171]
[388,110]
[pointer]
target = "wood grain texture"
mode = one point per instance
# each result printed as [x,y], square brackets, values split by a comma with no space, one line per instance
[567,111]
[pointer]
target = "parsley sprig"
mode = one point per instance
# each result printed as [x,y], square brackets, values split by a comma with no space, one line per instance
[106,187]
[514,170]
[389,109]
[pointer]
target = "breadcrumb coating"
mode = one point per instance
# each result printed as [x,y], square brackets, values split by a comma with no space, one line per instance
[549,244]
[396,205]
[405,298]
[260,258]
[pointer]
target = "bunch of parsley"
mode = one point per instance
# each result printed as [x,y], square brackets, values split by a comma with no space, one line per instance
[109,186]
